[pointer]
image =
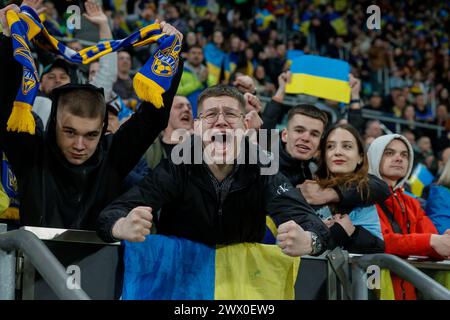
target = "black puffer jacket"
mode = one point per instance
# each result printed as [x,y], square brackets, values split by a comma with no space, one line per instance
[297,171]
[194,205]
[55,193]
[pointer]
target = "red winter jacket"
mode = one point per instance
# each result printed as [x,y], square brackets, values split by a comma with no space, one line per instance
[417,229]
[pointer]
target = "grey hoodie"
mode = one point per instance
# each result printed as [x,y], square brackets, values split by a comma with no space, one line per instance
[375,153]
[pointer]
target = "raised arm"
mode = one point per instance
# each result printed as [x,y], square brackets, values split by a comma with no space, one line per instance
[275,109]
[107,72]
[19,147]
[136,135]
[347,198]
[351,198]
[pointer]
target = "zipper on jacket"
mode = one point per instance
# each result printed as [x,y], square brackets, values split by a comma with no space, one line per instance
[403,289]
[404,216]
[219,212]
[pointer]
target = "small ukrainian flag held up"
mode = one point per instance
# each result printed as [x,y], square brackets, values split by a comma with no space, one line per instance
[419,179]
[171,268]
[292,55]
[320,77]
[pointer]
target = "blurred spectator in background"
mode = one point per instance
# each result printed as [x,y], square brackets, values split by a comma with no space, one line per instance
[378,61]
[399,105]
[194,77]
[426,155]
[124,84]
[262,82]
[54,75]
[375,102]
[173,17]
[438,204]
[442,116]
[423,112]
[181,118]
[120,28]
[373,131]
[276,64]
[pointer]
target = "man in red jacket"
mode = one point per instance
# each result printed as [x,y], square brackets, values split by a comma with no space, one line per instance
[405,227]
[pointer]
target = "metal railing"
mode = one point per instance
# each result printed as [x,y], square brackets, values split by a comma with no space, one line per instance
[365,113]
[299,99]
[43,260]
[371,114]
[426,285]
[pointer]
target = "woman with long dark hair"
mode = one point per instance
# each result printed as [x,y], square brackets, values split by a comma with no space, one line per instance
[344,163]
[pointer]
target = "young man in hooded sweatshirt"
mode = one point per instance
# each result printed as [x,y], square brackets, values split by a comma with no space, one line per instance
[405,227]
[69,173]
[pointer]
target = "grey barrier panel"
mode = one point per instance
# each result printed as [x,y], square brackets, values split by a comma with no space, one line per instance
[43,260]
[7,271]
[100,264]
[359,283]
[312,279]
[101,268]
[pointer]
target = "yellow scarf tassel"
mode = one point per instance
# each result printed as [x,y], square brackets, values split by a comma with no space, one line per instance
[21,118]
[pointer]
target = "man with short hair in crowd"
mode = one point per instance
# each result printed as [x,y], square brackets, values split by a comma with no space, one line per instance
[406,228]
[124,83]
[218,200]
[69,174]
[180,124]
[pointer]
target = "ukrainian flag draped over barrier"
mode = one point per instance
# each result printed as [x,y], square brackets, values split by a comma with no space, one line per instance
[419,179]
[166,268]
[150,82]
[321,77]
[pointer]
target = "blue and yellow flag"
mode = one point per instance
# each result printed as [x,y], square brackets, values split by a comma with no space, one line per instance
[263,19]
[293,54]
[150,82]
[199,6]
[320,77]
[9,195]
[170,268]
[218,63]
[420,178]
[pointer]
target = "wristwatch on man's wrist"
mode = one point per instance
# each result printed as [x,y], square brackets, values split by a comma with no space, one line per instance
[316,245]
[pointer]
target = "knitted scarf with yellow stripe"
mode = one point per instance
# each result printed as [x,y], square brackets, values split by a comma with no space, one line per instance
[150,82]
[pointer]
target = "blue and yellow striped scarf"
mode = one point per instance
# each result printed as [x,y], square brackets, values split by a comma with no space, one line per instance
[151,81]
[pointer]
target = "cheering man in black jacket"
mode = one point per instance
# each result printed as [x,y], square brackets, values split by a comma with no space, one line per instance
[222,198]
[69,173]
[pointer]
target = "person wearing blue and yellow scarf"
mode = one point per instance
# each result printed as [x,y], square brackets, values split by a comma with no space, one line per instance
[9,198]
[66,175]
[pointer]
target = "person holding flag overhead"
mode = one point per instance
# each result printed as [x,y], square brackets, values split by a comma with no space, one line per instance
[69,173]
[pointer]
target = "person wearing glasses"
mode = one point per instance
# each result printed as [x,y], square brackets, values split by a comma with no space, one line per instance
[216,196]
